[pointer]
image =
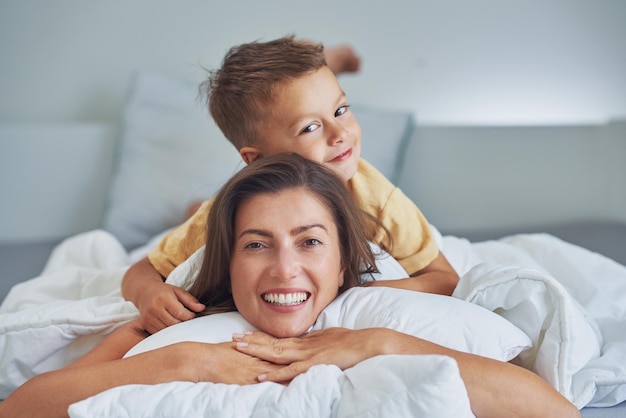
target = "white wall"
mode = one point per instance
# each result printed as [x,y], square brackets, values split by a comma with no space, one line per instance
[450,62]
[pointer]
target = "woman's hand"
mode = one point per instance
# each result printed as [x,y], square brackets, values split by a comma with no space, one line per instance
[339,346]
[222,363]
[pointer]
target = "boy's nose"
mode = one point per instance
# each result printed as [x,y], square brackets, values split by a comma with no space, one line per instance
[338,134]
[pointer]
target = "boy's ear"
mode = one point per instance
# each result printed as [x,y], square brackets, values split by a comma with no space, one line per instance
[249,154]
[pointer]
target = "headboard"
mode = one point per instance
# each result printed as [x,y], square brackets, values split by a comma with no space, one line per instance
[468,179]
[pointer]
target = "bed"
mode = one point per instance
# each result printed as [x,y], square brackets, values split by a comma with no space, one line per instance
[159,157]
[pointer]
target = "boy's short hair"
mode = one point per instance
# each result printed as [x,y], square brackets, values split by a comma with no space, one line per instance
[240,92]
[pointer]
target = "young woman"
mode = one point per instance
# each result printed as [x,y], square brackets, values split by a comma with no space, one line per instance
[286,240]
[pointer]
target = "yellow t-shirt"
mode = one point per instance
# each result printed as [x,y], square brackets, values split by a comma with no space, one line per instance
[413,243]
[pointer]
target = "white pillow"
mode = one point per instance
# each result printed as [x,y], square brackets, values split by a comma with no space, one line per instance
[444,320]
[170,152]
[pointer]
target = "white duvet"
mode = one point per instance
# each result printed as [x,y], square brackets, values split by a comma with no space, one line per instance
[570,304]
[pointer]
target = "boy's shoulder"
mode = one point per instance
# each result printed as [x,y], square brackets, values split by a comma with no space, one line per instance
[369,187]
[367,177]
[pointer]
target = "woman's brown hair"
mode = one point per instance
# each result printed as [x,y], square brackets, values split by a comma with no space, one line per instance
[272,175]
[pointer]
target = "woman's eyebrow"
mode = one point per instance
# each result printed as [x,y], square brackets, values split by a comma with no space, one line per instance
[305,228]
[255,232]
[293,232]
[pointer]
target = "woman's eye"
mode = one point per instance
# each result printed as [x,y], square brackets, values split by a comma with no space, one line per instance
[312,242]
[341,110]
[254,245]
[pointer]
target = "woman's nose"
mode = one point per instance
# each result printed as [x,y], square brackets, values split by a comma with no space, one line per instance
[287,265]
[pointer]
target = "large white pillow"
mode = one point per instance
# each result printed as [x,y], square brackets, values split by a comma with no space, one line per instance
[170,152]
[444,320]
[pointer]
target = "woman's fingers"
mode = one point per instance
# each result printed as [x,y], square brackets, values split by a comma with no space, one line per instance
[285,374]
[275,350]
[338,346]
[269,348]
[221,363]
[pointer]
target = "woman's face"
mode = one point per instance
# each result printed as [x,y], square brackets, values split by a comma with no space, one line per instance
[286,263]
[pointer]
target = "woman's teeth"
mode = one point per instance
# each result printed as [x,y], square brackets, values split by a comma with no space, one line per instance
[285,299]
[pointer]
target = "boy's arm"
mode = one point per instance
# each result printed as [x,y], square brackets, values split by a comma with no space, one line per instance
[438,277]
[160,305]
[413,239]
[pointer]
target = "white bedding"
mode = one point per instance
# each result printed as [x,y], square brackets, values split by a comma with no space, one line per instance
[569,301]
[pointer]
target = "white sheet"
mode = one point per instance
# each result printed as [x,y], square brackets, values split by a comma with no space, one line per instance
[578,298]
[577,320]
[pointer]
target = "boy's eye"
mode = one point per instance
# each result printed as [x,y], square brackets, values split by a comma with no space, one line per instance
[341,110]
[310,128]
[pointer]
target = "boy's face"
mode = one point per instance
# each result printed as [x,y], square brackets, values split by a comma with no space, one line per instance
[310,116]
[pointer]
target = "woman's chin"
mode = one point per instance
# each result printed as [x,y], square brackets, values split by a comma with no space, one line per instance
[288,330]
[284,324]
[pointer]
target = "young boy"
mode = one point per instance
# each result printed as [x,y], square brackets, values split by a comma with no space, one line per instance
[274,97]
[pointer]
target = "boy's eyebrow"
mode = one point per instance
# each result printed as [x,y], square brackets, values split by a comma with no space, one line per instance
[298,121]
[341,97]
[293,232]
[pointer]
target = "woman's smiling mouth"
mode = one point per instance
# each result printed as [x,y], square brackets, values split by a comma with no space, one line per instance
[286,299]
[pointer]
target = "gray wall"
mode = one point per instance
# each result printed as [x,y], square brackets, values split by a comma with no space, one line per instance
[484,63]
[450,62]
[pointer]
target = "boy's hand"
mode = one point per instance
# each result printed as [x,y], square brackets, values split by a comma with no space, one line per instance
[162,305]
